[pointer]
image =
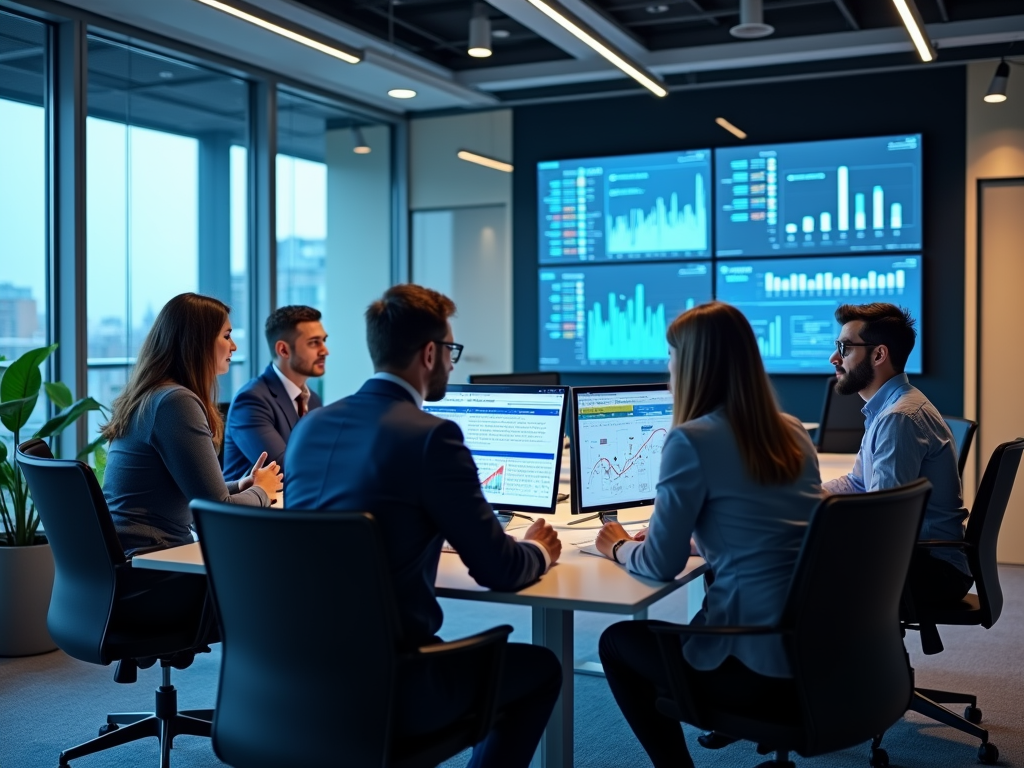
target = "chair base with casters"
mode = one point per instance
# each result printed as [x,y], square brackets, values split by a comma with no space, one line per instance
[164,723]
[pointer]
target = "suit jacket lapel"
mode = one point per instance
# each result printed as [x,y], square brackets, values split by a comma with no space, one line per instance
[281,399]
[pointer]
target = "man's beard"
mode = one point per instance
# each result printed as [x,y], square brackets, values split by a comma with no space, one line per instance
[437,387]
[855,380]
[309,370]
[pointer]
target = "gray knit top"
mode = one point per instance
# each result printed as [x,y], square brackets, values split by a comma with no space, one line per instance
[166,460]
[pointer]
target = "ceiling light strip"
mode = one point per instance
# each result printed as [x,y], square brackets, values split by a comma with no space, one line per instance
[915,27]
[307,38]
[567,21]
[731,128]
[489,162]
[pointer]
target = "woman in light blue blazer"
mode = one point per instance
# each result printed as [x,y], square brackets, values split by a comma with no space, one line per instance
[742,479]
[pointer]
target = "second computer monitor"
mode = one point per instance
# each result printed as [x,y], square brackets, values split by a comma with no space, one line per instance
[537,377]
[515,436]
[618,434]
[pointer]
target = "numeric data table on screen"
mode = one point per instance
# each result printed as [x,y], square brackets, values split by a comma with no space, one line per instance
[822,197]
[614,317]
[626,208]
[791,303]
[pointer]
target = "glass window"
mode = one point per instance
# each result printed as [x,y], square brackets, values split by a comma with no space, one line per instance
[166,181]
[23,207]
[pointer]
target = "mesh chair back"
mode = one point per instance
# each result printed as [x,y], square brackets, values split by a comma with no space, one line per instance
[86,550]
[309,631]
[847,650]
[983,526]
[841,426]
[545,377]
[963,435]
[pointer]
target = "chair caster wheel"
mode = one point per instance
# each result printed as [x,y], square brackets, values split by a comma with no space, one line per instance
[972,715]
[879,758]
[715,740]
[988,754]
[108,728]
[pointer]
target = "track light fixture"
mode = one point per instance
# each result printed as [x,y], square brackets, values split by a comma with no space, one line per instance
[997,88]
[484,160]
[723,123]
[279,26]
[751,24]
[359,145]
[479,32]
[911,17]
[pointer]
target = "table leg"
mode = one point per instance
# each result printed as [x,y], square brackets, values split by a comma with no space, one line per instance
[553,628]
[594,668]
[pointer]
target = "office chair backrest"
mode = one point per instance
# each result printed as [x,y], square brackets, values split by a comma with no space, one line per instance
[86,550]
[963,434]
[847,649]
[309,628]
[983,526]
[540,377]
[841,426]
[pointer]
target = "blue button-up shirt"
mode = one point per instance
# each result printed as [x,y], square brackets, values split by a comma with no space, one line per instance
[905,438]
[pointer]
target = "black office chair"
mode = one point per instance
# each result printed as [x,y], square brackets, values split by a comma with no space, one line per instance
[982,609]
[841,625]
[102,610]
[540,377]
[841,426]
[963,435]
[308,616]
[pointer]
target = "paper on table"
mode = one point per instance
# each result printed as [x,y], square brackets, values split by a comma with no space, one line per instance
[586,545]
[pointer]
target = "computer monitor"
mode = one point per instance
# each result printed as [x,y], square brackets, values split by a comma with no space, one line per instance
[515,435]
[618,433]
[538,377]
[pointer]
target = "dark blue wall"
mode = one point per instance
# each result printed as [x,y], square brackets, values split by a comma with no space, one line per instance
[926,101]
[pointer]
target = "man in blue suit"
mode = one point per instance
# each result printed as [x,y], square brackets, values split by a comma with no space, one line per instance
[266,409]
[377,451]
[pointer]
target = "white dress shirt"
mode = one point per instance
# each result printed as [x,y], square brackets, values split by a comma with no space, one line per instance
[293,389]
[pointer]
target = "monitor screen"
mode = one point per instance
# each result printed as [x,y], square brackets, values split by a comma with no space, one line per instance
[613,317]
[843,196]
[618,433]
[625,208]
[515,436]
[791,303]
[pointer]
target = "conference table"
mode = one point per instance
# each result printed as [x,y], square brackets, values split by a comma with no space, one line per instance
[578,582]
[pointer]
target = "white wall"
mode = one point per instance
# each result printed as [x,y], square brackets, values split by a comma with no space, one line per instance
[358,252]
[995,149]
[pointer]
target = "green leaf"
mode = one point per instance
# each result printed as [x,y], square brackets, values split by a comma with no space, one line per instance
[67,417]
[59,394]
[3,451]
[15,413]
[95,445]
[100,467]
[22,381]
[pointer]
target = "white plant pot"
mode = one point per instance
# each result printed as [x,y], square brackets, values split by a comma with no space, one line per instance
[26,581]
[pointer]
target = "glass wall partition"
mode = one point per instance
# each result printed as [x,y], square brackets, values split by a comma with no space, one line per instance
[166,192]
[23,204]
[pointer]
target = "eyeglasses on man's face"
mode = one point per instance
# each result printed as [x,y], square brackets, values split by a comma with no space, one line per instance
[456,349]
[842,346]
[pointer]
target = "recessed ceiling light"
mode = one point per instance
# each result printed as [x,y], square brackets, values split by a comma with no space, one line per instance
[501,34]
[659,8]
[402,93]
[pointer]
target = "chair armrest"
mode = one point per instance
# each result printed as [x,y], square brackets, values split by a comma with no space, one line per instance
[146,551]
[940,543]
[497,635]
[723,631]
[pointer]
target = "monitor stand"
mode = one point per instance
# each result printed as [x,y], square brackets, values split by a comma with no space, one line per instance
[612,516]
[513,514]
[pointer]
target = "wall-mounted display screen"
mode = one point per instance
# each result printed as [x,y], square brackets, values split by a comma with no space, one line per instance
[612,318]
[843,196]
[791,303]
[625,208]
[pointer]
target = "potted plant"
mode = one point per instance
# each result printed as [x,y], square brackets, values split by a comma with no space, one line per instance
[26,563]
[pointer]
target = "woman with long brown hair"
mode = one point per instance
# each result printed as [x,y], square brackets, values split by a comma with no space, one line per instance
[742,479]
[165,429]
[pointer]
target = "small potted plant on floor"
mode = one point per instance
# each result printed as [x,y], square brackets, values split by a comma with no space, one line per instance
[26,563]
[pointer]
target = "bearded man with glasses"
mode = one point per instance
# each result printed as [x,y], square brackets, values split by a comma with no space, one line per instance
[904,438]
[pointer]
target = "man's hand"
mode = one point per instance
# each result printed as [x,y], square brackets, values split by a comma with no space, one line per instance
[607,536]
[542,533]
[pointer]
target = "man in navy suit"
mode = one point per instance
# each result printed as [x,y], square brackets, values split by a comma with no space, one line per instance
[266,409]
[377,451]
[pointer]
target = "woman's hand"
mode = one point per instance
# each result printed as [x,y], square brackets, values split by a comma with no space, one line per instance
[607,536]
[266,477]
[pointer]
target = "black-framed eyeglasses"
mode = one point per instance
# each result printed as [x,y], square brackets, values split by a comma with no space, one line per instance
[842,346]
[455,348]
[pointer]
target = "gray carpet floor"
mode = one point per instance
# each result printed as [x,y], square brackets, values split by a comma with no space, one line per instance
[51,702]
